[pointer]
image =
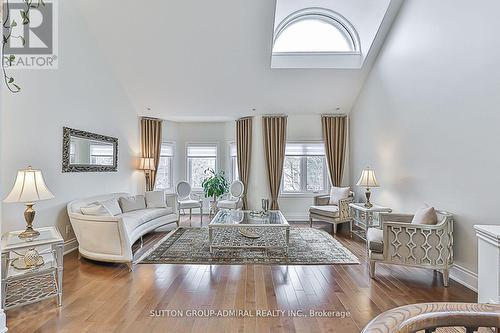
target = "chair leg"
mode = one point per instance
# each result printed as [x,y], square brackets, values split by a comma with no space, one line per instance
[372,268]
[350,227]
[201,216]
[130,266]
[190,213]
[446,277]
[335,228]
[310,222]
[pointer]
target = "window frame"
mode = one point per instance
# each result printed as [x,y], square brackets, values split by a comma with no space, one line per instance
[303,176]
[171,168]
[189,158]
[326,15]
[233,163]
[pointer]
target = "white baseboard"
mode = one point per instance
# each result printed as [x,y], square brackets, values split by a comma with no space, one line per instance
[464,276]
[70,245]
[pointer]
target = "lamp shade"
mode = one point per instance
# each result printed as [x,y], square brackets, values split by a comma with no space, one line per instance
[147,163]
[368,178]
[29,187]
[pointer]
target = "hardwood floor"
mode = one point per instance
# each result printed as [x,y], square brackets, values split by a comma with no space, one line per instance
[102,297]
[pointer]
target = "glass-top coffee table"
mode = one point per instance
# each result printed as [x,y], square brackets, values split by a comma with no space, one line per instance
[243,229]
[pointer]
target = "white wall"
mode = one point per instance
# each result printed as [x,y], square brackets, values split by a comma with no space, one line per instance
[82,94]
[427,118]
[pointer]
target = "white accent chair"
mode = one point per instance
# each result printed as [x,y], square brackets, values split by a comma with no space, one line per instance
[234,199]
[400,242]
[331,213]
[110,238]
[188,200]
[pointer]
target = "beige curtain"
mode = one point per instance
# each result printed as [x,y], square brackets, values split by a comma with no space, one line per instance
[274,129]
[151,137]
[335,139]
[244,152]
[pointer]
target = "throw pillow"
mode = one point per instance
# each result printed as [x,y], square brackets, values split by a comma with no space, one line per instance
[112,206]
[156,199]
[95,210]
[129,204]
[337,193]
[426,215]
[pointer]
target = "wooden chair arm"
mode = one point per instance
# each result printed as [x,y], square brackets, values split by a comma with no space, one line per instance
[416,317]
[321,200]
[391,217]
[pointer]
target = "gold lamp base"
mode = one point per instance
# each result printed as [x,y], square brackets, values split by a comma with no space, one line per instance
[29,216]
[368,204]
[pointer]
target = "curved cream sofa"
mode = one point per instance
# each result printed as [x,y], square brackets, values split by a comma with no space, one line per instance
[110,238]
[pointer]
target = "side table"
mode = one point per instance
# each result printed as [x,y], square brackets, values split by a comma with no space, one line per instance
[365,217]
[21,287]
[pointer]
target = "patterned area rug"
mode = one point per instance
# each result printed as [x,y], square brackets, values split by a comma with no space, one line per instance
[307,247]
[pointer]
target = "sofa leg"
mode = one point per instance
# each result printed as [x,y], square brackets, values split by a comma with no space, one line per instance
[335,228]
[177,222]
[190,213]
[310,222]
[372,268]
[130,266]
[446,277]
[79,256]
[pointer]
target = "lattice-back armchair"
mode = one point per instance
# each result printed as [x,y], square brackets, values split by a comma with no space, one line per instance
[401,242]
[331,213]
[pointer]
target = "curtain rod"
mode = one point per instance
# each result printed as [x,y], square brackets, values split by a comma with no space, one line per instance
[243,118]
[274,116]
[152,118]
[334,115]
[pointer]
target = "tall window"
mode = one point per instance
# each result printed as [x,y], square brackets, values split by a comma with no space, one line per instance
[304,169]
[164,175]
[200,157]
[233,153]
[101,154]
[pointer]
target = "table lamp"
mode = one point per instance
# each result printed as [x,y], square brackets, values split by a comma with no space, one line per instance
[147,164]
[28,189]
[368,180]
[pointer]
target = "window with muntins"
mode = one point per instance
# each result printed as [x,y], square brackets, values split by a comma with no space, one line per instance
[101,154]
[200,157]
[304,168]
[164,173]
[315,30]
[233,155]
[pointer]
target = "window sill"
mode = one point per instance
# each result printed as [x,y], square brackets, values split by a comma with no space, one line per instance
[300,195]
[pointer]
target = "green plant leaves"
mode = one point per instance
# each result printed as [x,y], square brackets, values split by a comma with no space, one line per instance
[215,184]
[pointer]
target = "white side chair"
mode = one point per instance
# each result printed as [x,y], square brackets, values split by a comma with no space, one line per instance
[188,200]
[234,199]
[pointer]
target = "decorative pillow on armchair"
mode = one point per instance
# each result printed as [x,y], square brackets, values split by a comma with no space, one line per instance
[425,215]
[337,193]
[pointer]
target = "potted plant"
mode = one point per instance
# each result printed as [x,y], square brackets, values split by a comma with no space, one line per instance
[214,185]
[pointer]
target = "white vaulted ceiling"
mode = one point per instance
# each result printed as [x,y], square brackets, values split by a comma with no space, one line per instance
[210,60]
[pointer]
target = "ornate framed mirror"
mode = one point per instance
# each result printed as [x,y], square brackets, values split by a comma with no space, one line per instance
[88,152]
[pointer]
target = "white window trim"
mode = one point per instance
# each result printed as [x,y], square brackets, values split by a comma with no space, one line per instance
[187,157]
[326,15]
[306,194]
[231,172]
[171,171]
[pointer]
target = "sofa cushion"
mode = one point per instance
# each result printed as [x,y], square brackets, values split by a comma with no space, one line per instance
[129,204]
[155,199]
[337,193]
[327,210]
[135,218]
[112,206]
[425,215]
[95,210]
[375,239]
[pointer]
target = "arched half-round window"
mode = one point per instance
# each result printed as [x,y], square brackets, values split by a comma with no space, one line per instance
[315,30]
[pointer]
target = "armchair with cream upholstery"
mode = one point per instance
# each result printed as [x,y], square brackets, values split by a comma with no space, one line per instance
[186,199]
[334,214]
[400,242]
[233,199]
